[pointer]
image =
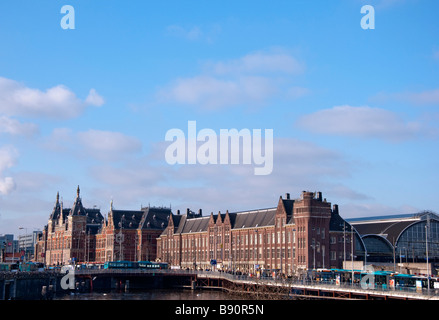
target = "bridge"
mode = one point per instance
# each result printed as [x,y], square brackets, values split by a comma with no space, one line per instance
[250,287]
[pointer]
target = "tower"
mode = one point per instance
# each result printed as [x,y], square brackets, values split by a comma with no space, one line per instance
[312,217]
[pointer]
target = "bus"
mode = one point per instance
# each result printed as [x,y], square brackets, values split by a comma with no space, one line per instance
[5,266]
[152,265]
[135,265]
[120,265]
[31,266]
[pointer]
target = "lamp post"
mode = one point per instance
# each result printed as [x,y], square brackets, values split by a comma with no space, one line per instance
[24,241]
[427,225]
[313,246]
[352,255]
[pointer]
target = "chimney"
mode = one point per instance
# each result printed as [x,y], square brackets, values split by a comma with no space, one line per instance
[335,209]
[200,212]
[178,212]
[319,196]
[287,196]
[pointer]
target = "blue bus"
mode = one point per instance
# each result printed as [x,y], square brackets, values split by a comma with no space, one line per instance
[120,265]
[135,265]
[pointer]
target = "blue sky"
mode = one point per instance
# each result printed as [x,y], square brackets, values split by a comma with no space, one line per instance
[354,112]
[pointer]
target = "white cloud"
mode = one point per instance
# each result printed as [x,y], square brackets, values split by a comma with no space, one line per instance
[108,143]
[297,92]
[250,80]
[94,99]
[426,97]
[102,145]
[14,127]
[370,209]
[260,63]
[298,165]
[364,122]
[192,34]
[215,93]
[8,158]
[57,102]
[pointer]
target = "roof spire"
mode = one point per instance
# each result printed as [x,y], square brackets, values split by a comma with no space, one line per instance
[77,191]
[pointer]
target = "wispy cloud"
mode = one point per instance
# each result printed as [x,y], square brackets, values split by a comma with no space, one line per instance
[194,33]
[297,165]
[250,80]
[57,102]
[8,158]
[215,93]
[363,122]
[15,127]
[106,146]
[426,97]
[259,63]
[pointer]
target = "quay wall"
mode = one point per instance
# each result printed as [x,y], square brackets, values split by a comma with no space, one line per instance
[28,285]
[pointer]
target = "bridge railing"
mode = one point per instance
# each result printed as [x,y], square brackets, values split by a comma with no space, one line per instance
[293,283]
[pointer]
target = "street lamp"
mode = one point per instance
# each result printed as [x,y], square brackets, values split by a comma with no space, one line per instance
[427,225]
[25,240]
[313,246]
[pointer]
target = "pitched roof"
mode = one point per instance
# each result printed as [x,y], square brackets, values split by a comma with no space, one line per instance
[254,218]
[146,218]
[126,219]
[94,216]
[195,225]
[155,218]
[337,223]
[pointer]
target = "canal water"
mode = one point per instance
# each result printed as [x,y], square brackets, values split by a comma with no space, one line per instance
[156,294]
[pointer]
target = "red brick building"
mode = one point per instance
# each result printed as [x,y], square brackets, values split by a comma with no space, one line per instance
[131,235]
[297,234]
[69,234]
[80,234]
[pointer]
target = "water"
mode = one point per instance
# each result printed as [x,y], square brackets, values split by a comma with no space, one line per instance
[155,294]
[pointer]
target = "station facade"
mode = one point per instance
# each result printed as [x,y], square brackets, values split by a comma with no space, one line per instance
[296,235]
[79,234]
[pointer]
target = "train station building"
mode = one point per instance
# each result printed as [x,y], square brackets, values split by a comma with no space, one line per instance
[79,234]
[403,242]
[295,235]
[292,237]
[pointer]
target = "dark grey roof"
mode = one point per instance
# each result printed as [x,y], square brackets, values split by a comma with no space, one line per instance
[195,225]
[146,218]
[94,216]
[126,219]
[155,218]
[337,223]
[238,220]
[254,218]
